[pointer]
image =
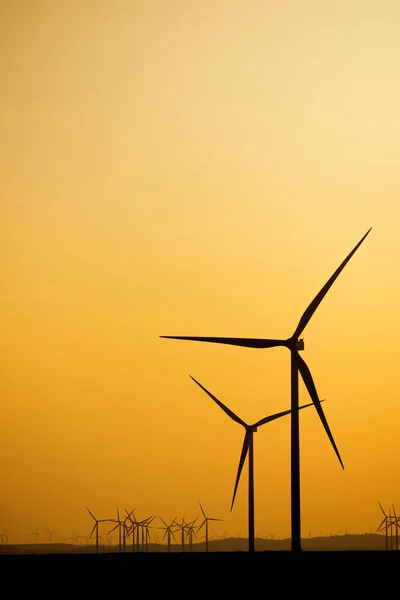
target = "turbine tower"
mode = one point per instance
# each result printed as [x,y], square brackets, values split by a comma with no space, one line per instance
[294,345]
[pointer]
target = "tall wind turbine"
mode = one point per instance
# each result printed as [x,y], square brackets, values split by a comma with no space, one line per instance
[294,344]
[247,448]
[205,522]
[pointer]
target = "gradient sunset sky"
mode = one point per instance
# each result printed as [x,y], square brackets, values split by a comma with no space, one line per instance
[197,168]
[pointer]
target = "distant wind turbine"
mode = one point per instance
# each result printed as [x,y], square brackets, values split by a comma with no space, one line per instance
[37,534]
[389,521]
[190,532]
[96,528]
[182,526]
[168,532]
[247,448]
[133,529]
[122,530]
[294,344]
[51,533]
[397,526]
[205,522]
[147,527]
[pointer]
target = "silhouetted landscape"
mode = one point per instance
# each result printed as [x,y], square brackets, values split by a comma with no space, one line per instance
[365,542]
[342,560]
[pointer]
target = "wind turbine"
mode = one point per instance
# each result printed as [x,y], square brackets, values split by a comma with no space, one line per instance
[388,522]
[168,532]
[148,526]
[51,533]
[190,532]
[205,522]
[384,525]
[134,529]
[73,538]
[37,534]
[182,526]
[294,344]
[122,526]
[4,537]
[247,448]
[396,524]
[96,527]
[127,528]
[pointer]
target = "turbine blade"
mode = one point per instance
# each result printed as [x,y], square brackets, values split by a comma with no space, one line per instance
[278,415]
[312,307]
[203,523]
[382,509]
[204,514]
[113,529]
[94,527]
[91,513]
[152,519]
[381,524]
[245,448]
[228,411]
[248,342]
[309,383]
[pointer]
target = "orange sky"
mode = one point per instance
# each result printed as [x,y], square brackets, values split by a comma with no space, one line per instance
[186,168]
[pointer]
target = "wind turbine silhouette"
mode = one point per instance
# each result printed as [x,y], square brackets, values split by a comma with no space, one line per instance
[247,448]
[190,532]
[133,529]
[294,344]
[51,533]
[122,529]
[205,522]
[396,525]
[37,534]
[96,527]
[168,532]
[383,525]
[183,527]
[147,526]
[388,522]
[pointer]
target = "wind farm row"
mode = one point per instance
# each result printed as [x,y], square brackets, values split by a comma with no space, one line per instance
[127,530]
[127,533]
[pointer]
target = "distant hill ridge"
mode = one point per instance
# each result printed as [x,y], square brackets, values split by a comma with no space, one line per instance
[367,541]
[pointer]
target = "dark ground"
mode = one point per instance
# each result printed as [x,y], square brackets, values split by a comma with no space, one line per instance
[218,573]
[223,572]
